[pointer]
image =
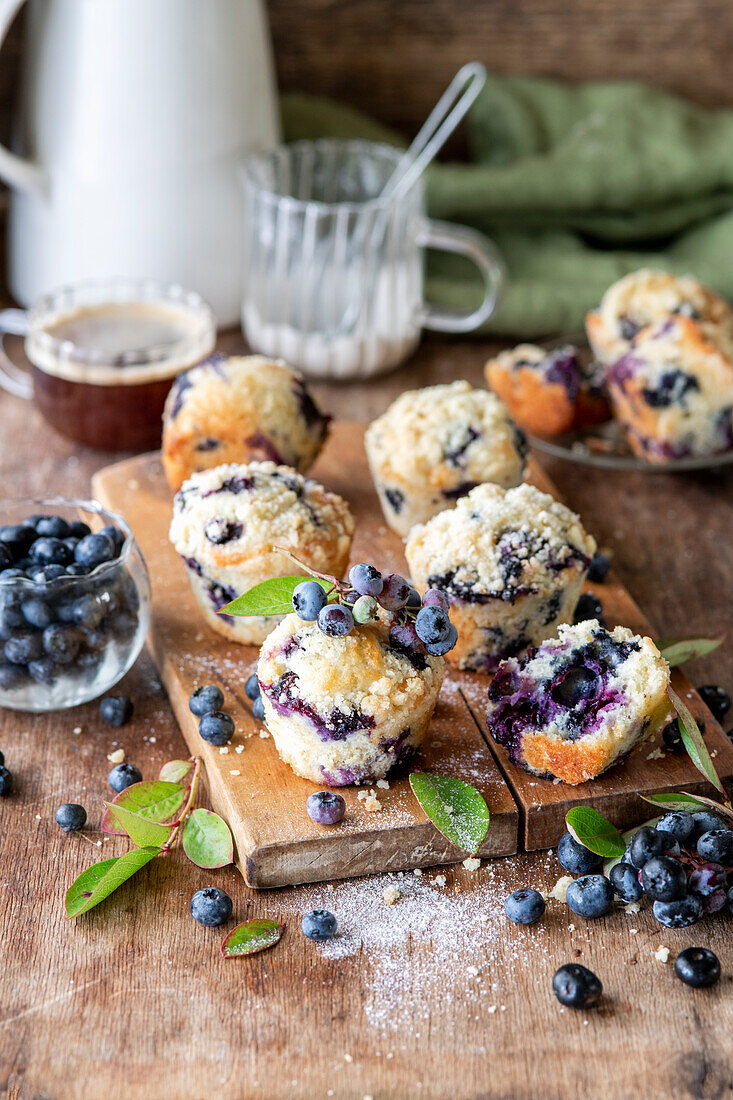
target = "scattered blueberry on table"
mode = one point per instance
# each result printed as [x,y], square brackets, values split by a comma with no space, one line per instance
[599,567]
[216,728]
[325,807]
[525,906]
[123,776]
[575,857]
[71,817]
[258,709]
[211,906]
[590,896]
[588,607]
[116,710]
[251,688]
[6,781]
[624,878]
[715,699]
[576,987]
[319,925]
[206,700]
[698,967]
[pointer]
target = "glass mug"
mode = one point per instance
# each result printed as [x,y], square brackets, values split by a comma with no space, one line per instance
[104,355]
[333,274]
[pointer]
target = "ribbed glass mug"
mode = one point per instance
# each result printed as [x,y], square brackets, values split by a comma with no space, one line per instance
[333,274]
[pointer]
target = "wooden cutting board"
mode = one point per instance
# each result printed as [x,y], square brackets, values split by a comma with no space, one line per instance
[264,802]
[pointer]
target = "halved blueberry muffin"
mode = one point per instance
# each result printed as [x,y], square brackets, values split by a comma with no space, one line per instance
[512,562]
[644,298]
[345,710]
[673,390]
[433,446]
[580,702]
[547,392]
[240,409]
[227,521]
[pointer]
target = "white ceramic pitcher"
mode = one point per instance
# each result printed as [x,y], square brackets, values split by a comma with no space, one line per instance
[133,117]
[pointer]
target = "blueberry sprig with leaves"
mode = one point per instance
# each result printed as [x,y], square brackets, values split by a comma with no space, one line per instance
[418,624]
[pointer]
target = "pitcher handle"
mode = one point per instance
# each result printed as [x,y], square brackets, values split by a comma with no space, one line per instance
[463,241]
[17,172]
[14,379]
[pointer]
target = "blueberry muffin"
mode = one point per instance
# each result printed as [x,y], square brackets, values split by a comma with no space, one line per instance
[239,409]
[644,298]
[673,391]
[547,392]
[433,446]
[345,710]
[512,563]
[580,702]
[227,521]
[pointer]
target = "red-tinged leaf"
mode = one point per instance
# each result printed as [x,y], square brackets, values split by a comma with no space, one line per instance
[207,840]
[102,879]
[251,937]
[680,800]
[693,742]
[157,801]
[678,650]
[723,808]
[594,832]
[177,771]
[141,831]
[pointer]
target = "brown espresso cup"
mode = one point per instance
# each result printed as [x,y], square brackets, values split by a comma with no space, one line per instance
[103,356]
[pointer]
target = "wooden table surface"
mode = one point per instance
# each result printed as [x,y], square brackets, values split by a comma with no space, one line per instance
[437,996]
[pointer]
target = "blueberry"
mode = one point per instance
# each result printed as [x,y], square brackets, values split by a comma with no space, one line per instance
[576,686]
[716,845]
[6,781]
[2,759]
[432,625]
[435,598]
[18,539]
[325,807]
[575,857]
[116,710]
[403,636]
[117,537]
[61,641]
[318,925]
[79,530]
[208,698]
[23,647]
[706,879]
[599,567]
[576,986]
[50,551]
[439,649]
[680,913]
[70,817]
[624,878]
[414,602]
[705,821]
[524,906]
[53,526]
[730,900]
[715,699]
[258,709]
[365,609]
[308,599]
[678,823]
[588,607]
[11,677]
[37,613]
[92,550]
[366,580]
[335,620]
[698,967]
[216,728]
[6,557]
[252,687]
[124,775]
[11,617]
[46,575]
[396,592]
[88,611]
[590,896]
[645,844]
[664,878]
[211,906]
[43,671]
[76,570]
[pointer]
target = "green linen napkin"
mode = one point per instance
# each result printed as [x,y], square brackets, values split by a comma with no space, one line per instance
[577,184]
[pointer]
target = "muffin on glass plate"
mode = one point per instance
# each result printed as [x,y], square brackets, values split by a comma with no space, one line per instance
[547,391]
[240,409]
[673,391]
[644,298]
[433,446]
[345,710]
[580,702]
[227,521]
[512,563]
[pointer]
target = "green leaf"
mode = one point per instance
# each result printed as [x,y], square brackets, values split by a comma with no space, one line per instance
[176,771]
[456,809]
[678,650]
[251,937]
[157,801]
[593,831]
[207,840]
[141,831]
[704,803]
[678,800]
[273,597]
[102,879]
[693,742]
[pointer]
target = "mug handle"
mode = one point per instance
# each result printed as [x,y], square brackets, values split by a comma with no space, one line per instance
[13,378]
[463,241]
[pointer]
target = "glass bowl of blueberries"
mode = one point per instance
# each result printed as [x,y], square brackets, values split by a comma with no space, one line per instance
[74,602]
